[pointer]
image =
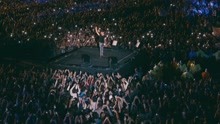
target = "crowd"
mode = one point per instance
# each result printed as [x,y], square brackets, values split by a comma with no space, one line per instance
[205,7]
[83,38]
[128,22]
[33,20]
[45,95]
[176,86]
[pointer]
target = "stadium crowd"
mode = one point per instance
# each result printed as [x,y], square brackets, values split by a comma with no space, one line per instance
[175,88]
[127,22]
[44,95]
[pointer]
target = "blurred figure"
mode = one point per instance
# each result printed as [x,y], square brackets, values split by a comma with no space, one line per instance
[101,40]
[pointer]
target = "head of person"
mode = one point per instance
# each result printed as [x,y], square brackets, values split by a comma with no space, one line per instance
[102,33]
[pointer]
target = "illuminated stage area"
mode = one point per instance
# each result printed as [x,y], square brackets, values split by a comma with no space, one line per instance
[88,59]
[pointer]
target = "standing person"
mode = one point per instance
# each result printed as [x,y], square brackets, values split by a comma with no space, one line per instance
[101,39]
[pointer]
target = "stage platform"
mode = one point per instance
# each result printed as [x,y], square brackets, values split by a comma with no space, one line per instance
[88,59]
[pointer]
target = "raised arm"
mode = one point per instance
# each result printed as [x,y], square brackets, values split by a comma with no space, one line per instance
[106,121]
[97,32]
